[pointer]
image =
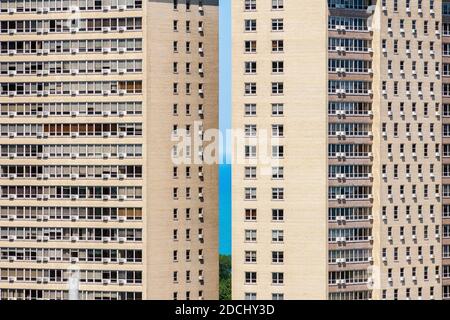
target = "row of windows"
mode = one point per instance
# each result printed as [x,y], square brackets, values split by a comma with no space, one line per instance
[409,90]
[67,151]
[70,234]
[350,193]
[81,129]
[277,109]
[250,151]
[424,65]
[395,171]
[250,194]
[250,5]
[408,47]
[73,88]
[349,87]
[349,214]
[343,151]
[349,256]
[349,108]
[71,213]
[62,276]
[350,295]
[395,5]
[67,26]
[419,293]
[277,236]
[414,192]
[414,27]
[413,110]
[70,46]
[349,171]
[70,255]
[347,23]
[277,257]
[349,277]
[44,6]
[349,66]
[251,278]
[349,235]
[70,67]
[402,231]
[419,211]
[349,4]
[71,172]
[71,109]
[278,215]
[349,45]
[74,193]
[408,256]
[31,294]
[350,129]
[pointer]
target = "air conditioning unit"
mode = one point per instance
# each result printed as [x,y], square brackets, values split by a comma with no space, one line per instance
[122,176]
[106,134]
[121,7]
[74,176]
[12,31]
[12,279]
[420,257]
[106,29]
[106,71]
[74,30]
[12,93]
[106,218]
[74,260]
[74,92]
[122,218]
[12,52]
[122,134]
[122,155]
[106,260]
[121,71]
[200,236]
[106,155]
[106,176]
[12,238]
[122,282]
[122,113]
[106,239]
[74,113]
[12,259]
[122,29]
[74,71]
[106,113]
[73,238]
[12,197]
[122,92]
[122,260]
[74,134]
[12,73]
[122,197]
[200,50]
[384,217]
[122,239]
[74,155]
[122,49]
[74,197]
[106,197]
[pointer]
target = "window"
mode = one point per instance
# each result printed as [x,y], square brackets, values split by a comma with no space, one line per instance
[277,25]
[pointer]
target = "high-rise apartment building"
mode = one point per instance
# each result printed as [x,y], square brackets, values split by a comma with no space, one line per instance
[352,201]
[93,94]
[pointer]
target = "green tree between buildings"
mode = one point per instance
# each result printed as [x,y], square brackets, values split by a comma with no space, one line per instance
[225,277]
